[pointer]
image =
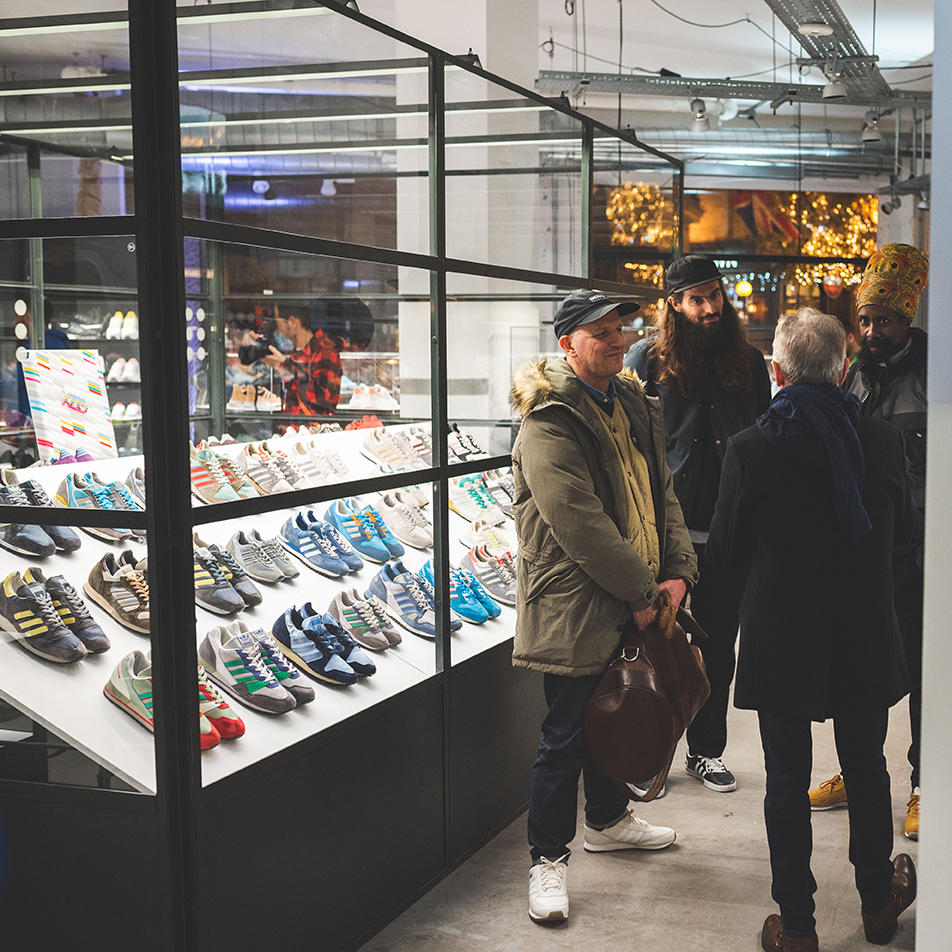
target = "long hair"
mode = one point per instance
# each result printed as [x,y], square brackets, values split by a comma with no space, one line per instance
[679,366]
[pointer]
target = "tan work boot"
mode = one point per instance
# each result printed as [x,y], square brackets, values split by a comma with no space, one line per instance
[831,793]
[911,826]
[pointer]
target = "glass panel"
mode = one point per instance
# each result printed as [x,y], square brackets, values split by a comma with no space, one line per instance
[634,214]
[325,138]
[513,178]
[275,326]
[66,108]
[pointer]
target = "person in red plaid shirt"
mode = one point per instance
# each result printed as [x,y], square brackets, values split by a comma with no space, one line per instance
[312,371]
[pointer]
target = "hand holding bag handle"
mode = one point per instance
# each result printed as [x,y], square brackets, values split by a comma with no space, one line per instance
[644,702]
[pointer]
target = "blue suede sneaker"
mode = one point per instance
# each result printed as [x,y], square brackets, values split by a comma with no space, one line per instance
[490,605]
[394,545]
[331,535]
[401,592]
[358,530]
[462,601]
[311,548]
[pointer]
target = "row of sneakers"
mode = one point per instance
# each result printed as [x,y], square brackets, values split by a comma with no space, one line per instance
[130,688]
[124,371]
[48,617]
[122,326]
[88,491]
[249,398]
[398,450]
[32,540]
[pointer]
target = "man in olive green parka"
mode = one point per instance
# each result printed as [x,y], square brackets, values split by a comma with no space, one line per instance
[600,536]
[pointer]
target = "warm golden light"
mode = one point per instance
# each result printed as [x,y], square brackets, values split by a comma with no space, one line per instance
[744,289]
[640,215]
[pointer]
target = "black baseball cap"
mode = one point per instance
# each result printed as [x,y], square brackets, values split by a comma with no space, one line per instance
[689,272]
[584,307]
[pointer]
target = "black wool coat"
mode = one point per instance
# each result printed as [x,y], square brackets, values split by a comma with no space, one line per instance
[818,631]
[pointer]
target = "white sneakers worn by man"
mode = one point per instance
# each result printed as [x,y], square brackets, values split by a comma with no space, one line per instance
[548,893]
[629,833]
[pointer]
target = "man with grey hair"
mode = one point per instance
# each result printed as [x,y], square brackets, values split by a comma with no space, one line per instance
[812,499]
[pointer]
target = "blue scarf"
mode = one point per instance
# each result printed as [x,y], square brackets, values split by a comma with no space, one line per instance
[817,424]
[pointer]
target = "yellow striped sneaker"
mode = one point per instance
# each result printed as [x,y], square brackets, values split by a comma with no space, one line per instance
[27,611]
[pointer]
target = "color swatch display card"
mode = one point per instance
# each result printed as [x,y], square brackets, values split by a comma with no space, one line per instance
[68,402]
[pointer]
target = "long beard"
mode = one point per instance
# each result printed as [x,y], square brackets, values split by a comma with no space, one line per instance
[700,337]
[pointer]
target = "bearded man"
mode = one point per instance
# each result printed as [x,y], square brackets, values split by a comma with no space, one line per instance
[712,383]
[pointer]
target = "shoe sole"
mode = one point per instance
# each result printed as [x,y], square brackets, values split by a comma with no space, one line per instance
[556,915]
[612,847]
[304,666]
[253,573]
[106,604]
[717,788]
[25,642]
[219,610]
[406,625]
[911,836]
[122,703]
[832,806]
[242,699]
[19,550]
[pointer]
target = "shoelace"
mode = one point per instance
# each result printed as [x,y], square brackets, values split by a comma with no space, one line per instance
[474,493]
[275,659]
[428,589]
[322,542]
[258,669]
[367,614]
[212,464]
[381,614]
[228,563]
[413,590]
[139,586]
[102,496]
[831,783]
[208,562]
[125,497]
[552,872]
[365,522]
[376,520]
[289,469]
[75,604]
[47,611]
[711,764]
[273,551]
[334,458]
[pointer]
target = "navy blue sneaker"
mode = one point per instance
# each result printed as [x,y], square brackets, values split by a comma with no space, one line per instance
[310,650]
[401,592]
[338,639]
[312,549]
[31,493]
[71,609]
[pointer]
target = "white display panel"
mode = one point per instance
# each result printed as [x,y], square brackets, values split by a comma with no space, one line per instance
[68,700]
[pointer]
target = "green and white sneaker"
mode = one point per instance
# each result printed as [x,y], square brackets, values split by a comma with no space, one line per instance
[130,687]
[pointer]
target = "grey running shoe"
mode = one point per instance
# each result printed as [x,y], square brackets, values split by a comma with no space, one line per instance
[273,549]
[212,590]
[26,610]
[135,483]
[232,658]
[252,557]
[496,574]
[71,609]
[357,617]
[121,590]
[31,493]
[236,576]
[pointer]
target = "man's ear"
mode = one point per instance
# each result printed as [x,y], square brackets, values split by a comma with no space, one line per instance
[674,303]
[565,342]
[778,374]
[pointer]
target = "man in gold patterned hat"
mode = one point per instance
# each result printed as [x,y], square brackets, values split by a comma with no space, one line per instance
[889,377]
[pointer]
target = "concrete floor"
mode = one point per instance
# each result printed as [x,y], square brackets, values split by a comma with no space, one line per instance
[709,891]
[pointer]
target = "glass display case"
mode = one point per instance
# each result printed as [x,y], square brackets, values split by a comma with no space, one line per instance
[291,282]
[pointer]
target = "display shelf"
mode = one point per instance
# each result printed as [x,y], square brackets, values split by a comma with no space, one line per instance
[68,699]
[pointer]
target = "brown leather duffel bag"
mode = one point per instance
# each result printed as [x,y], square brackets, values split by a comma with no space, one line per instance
[644,703]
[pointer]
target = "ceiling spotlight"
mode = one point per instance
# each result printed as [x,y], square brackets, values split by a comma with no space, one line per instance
[834,89]
[328,188]
[923,205]
[871,131]
[701,123]
[814,29]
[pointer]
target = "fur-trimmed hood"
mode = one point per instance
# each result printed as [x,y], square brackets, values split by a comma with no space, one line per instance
[544,380]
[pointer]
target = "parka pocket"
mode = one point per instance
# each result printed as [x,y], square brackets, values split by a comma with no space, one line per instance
[562,578]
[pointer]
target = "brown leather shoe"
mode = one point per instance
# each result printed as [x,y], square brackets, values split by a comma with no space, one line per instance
[772,939]
[881,927]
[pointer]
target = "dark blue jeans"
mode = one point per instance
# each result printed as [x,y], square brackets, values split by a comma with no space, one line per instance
[715,603]
[553,805]
[788,756]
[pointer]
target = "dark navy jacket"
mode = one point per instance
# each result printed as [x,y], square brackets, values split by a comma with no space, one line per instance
[729,413]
